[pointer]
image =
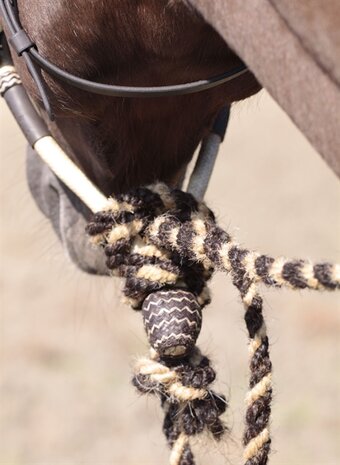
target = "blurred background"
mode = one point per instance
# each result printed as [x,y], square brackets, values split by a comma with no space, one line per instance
[68,344]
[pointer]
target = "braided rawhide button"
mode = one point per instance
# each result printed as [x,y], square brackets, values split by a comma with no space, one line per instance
[172,320]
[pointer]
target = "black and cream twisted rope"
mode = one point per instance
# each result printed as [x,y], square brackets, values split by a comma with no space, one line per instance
[190,406]
[166,245]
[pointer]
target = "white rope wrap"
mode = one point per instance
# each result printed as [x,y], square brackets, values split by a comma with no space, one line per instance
[8,78]
[53,155]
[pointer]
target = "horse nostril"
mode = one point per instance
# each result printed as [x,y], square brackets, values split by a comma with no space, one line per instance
[172,320]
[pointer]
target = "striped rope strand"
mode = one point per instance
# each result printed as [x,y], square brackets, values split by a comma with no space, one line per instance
[210,245]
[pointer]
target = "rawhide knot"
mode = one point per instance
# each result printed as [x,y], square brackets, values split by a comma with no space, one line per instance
[172,320]
[190,406]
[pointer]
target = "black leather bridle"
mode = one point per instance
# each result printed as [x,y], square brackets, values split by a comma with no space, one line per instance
[34,127]
[25,48]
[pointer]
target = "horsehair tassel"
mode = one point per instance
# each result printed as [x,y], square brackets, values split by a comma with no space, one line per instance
[190,406]
[165,243]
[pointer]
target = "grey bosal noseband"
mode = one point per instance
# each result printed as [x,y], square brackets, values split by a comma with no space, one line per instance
[35,128]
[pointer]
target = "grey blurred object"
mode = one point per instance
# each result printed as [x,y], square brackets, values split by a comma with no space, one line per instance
[68,215]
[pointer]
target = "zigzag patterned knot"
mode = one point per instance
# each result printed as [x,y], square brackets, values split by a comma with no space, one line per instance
[172,320]
[157,238]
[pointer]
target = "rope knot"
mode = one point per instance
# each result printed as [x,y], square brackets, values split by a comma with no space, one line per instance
[137,231]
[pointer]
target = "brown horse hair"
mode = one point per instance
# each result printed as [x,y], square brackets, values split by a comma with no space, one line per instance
[122,143]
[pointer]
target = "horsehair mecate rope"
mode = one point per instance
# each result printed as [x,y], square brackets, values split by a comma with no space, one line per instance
[166,244]
[159,240]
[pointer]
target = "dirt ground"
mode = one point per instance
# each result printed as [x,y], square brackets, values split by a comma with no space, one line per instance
[67,344]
